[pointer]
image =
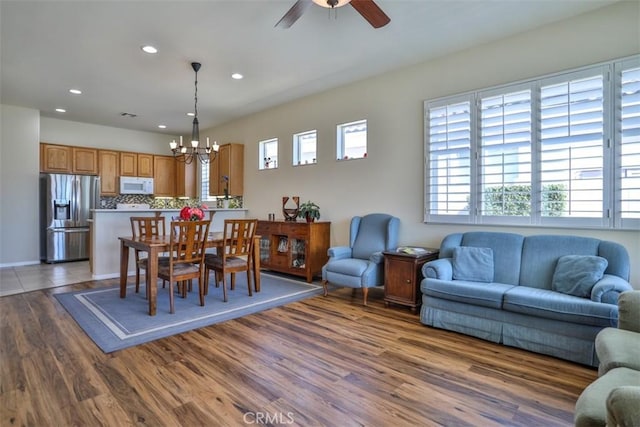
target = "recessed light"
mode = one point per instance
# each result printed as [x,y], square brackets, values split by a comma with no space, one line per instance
[61,110]
[191,114]
[75,91]
[162,126]
[237,76]
[149,49]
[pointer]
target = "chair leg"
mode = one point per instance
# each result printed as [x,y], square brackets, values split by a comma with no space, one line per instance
[138,278]
[206,281]
[233,281]
[365,292]
[224,287]
[249,282]
[201,290]
[325,286]
[171,307]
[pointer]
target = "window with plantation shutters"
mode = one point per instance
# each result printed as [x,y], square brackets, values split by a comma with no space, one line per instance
[628,120]
[572,146]
[449,160]
[505,139]
[560,150]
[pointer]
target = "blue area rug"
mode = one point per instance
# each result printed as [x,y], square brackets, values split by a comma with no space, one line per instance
[114,323]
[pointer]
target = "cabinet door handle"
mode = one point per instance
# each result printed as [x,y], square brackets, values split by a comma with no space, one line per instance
[408,281]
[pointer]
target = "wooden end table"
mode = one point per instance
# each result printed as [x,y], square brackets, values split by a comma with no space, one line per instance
[403,274]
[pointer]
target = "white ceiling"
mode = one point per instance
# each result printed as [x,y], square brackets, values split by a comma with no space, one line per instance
[48,47]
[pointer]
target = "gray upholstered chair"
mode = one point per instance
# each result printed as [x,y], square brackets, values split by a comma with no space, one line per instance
[360,265]
[614,398]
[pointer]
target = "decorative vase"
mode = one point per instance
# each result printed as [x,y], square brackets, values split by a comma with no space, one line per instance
[225,203]
[310,218]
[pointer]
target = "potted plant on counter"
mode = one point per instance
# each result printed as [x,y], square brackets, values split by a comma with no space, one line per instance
[309,210]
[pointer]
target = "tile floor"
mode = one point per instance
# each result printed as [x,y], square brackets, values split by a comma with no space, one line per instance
[15,280]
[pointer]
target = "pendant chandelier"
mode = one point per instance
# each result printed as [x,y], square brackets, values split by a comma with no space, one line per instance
[195,151]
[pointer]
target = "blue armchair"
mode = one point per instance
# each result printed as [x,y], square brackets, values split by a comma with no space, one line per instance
[360,265]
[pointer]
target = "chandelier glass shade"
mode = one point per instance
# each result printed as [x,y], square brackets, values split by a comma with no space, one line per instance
[194,151]
[331,3]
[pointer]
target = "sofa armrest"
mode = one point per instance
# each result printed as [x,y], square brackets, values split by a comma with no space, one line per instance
[438,269]
[629,311]
[623,406]
[609,288]
[339,252]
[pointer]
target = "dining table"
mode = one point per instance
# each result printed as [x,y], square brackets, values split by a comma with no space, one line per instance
[155,245]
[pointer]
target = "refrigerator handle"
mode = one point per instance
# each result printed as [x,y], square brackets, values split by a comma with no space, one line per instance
[76,200]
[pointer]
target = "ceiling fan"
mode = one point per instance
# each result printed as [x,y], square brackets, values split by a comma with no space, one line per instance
[367,8]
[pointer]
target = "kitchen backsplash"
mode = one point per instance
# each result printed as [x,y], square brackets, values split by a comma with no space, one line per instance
[112,202]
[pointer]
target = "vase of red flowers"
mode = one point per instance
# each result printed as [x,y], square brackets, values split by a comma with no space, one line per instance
[196,213]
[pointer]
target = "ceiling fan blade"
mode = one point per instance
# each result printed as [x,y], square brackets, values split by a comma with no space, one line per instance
[371,12]
[294,13]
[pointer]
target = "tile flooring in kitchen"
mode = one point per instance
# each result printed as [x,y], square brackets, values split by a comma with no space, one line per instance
[26,278]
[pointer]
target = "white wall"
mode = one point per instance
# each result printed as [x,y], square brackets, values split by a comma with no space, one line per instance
[19,168]
[390,179]
[22,131]
[66,132]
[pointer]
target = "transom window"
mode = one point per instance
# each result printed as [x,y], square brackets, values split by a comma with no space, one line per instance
[304,148]
[351,140]
[268,154]
[562,150]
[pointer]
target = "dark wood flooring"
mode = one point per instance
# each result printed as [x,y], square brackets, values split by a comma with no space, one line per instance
[321,362]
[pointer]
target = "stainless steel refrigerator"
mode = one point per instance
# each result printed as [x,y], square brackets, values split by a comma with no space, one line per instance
[65,210]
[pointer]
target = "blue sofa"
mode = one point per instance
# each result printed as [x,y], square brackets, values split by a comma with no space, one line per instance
[550,294]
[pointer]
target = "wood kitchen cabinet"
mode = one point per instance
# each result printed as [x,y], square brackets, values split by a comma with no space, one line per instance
[402,277]
[136,164]
[229,162]
[85,161]
[55,158]
[128,164]
[298,248]
[186,176]
[145,165]
[68,159]
[108,169]
[164,176]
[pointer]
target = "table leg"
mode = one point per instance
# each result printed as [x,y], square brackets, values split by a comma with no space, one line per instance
[152,283]
[124,268]
[256,263]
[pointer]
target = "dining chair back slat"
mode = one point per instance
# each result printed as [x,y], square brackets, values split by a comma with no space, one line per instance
[145,226]
[235,254]
[187,245]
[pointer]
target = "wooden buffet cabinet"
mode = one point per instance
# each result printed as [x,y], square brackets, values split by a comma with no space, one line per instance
[298,248]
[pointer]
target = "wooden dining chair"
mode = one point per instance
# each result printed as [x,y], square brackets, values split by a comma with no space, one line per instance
[186,257]
[235,255]
[146,226]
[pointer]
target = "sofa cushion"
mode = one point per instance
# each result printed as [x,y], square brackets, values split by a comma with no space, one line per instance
[555,305]
[473,264]
[540,255]
[576,274]
[482,294]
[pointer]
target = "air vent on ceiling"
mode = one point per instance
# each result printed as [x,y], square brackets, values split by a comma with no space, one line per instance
[130,115]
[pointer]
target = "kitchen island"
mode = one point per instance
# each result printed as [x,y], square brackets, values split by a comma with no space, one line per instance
[108,224]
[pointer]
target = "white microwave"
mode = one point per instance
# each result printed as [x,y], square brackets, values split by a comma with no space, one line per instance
[135,185]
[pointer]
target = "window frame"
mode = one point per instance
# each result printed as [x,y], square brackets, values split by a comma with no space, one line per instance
[262,147]
[340,139]
[296,158]
[610,116]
